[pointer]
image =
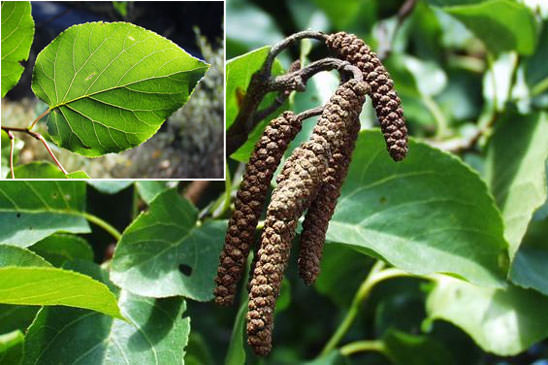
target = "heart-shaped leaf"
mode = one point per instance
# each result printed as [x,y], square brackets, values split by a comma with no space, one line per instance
[110,86]
[155,333]
[165,253]
[17,36]
[33,210]
[428,213]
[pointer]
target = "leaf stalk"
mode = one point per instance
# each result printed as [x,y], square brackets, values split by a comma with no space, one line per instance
[375,276]
[103,224]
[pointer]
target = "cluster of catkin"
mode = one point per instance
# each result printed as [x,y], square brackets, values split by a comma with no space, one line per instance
[310,181]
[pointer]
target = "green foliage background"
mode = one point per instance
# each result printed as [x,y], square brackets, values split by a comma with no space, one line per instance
[439,259]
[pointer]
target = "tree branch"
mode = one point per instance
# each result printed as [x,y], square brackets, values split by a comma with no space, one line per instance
[245,121]
[288,42]
[387,40]
[259,86]
[297,80]
[310,113]
[39,137]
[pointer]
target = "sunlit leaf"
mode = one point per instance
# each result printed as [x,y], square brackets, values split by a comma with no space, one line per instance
[17,37]
[428,213]
[165,253]
[110,86]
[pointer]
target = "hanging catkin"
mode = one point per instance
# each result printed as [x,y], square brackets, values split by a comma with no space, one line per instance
[301,178]
[289,200]
[385,99]
[249,203]
[322,208]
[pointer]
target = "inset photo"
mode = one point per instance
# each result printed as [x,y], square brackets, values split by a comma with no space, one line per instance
[112,90]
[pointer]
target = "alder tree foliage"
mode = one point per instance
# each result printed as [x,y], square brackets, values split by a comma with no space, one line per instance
[406,224]
[108,86]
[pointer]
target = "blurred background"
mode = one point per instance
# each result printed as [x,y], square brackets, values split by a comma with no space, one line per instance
[190,143]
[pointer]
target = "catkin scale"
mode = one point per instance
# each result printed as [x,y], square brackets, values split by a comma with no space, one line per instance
[298,185]
[385,99]
[249,202]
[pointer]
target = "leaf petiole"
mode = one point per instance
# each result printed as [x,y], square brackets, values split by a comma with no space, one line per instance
[44,142]
[46,112]
[103,224]
[362,346]
[39,137]
[375,276]
[12,148]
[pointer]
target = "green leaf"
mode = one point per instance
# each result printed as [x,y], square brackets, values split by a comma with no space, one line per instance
[341,13]
[17,256]
[243,153]
[148,190]
[110,187]
[516,171]
[429,213]
[45,170]
[501,321]
[167,237]
[284,298]
[33,210]
[502,25]
[118,84]
[11,348]
[529,268]
[407,349]
[59,248]
[340,282]
[197,350]
[16,317]
[236,354]
[238,75]
[536,72]
[242,16]
[155,333]
[17,37]
[52,286]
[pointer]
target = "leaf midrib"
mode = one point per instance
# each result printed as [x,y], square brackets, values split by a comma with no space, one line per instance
[125,85]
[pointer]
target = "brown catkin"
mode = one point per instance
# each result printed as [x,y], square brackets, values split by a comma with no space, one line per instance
[385,99]
[249,203]
[322,208]
[289,200]
[300,180]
